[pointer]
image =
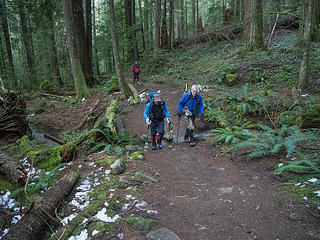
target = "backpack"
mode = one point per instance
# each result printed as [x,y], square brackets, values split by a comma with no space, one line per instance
[150,100]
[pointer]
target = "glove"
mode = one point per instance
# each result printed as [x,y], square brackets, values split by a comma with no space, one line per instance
[148,122]
[168,120]
[202,117]
[180,113]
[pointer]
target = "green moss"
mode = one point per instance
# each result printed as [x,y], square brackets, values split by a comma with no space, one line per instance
[311,116]
[139,155]
[110,159]
[301,192]
[47,86]
[113,85]
[138,223]
[289,118]
[110,116]
[135,191]
[103,227]
[115,203]
[231,79]
[46,159]
[6,184]
[22,146]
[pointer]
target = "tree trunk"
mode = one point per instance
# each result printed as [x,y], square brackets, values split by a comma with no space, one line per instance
[34,222]
[127,5]
[171,25]
[141,27]
[157,16]
[193,16]
[164,32]
[122,82]
[89,41]
[304,66]
[27,41]
[78,77]
[133,20]
[5,29]
[12,169]
[81,40]
[96,57]
[182,19]
[146,19]
[253,25]
[315,29]
[186,18]
[52,49]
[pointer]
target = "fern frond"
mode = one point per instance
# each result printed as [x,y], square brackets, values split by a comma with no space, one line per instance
[259,153]
[97,147]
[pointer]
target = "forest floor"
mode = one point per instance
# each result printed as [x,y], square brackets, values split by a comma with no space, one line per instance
[205,194]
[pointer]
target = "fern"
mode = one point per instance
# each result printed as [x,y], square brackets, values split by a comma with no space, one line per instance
[272,141]
[231,134]
[305,166]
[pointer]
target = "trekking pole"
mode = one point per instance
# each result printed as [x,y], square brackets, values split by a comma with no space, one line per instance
[178,129]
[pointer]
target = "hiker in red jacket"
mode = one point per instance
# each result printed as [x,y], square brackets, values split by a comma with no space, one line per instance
[136,71]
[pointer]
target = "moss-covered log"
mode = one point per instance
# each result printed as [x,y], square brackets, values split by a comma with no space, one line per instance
[13,124]
[12,169]
[35,221]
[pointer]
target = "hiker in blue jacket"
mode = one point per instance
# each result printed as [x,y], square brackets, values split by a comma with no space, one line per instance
[190,106]
[155,113]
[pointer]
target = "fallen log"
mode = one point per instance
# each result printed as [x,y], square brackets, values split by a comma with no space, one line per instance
[48,136]
[87,115]
[135,93]
[35,221]
[12,169]
[53,95]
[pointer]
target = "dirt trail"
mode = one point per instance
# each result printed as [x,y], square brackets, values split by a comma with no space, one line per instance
[205,194]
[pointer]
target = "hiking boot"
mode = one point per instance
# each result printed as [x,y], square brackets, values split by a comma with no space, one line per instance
[192,144]
[160,146]
[154,146]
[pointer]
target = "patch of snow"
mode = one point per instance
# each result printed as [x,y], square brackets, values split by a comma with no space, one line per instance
[125,206]
[90,164]
[128,197]
[83,99]
[68,219]
[79,166]
[95,232]
[108,172]
[4,232]
[16,219]
[317,192]
[280,164]
[298,184]
[102,216]
[305,198]
[83,236]
[129,187]
[111,190]
[313,180]
[84,221]
[120,235]
[304,95]
[141,204]
[152,212]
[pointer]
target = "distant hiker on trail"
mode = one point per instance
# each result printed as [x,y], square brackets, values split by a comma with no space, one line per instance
[155,113]
[190,106]
[136,71]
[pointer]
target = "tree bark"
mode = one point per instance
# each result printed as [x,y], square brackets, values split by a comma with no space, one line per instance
[146,19]
[133,20]
[171,25]
[164,32]
[89,41]
[27,41]
[122,82]
[96,57]
[157,15]
[141,27]
[253,25]
[304,66]
[79,80]
[34,222]
[193,16]
[5,29]
[81,40]
[182,19]
[12,169]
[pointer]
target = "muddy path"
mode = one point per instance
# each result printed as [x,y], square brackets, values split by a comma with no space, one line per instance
[203,193]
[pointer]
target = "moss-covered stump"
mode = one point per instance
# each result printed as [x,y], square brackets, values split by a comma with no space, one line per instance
[13,123]
[113,85]
[308,117]
[12,169]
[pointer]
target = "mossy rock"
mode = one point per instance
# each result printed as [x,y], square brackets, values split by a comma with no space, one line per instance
[46,159]
[289,118]
[311,116]
[231,79]
[139,155]
[139,224]
[113,85]
[68,152]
